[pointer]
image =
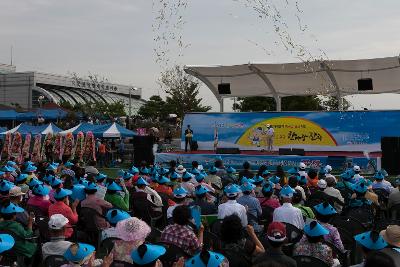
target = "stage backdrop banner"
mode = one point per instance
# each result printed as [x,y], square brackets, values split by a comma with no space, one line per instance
[313,131]
[271,161]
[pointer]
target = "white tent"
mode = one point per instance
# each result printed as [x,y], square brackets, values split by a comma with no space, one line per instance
[333,77]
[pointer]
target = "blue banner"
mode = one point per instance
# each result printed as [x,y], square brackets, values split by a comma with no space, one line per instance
[313,131]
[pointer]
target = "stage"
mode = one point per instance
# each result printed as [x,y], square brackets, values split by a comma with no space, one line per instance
[314,159]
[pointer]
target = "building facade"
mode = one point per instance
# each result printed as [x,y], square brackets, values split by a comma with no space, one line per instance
[31,89]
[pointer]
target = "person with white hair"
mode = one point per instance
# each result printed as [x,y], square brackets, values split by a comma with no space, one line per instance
[302,169]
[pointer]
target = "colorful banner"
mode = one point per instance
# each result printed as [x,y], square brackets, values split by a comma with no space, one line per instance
[237,160]
[313,131]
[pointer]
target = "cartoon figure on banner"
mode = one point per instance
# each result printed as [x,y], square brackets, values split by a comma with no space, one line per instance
[255,136]
[27,146]
[37,146]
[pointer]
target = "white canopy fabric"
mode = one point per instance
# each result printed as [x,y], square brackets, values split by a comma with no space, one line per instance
[334,77]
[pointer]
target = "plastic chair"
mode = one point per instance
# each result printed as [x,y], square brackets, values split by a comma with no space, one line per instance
[142,208]
[308,261]
[55,261]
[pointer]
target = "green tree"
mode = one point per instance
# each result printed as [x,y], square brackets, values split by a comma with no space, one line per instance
[182,92]
[154,108]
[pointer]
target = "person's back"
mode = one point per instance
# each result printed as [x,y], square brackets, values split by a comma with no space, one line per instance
[394,197]
[57,244]
[206,208]
[317,250]
[252,204]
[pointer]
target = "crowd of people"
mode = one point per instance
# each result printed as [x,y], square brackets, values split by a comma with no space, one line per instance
[66,214]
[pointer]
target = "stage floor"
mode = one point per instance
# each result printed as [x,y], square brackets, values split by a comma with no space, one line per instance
[275,153]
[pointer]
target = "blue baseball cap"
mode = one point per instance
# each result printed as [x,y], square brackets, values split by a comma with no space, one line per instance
[186,176]
[134,170]
[230,169]
[247,187]
[142,181]
[315,229]
[145,170]
[113,216]
[325,209]
[28,163]
[6,242]
[292,171]
[266,172]
[78,192]
[163,180]
[258,179]
[384,172]
[232,190]
[55,182]
[246,180]
[378,175]
[33,182]
[61,193]
[68,164]
[8,169]
[11,163]
[174,176]
[91,186]
[163,171]
[200,190]
[214,260]
[287,191]
[195,171]
[51,167]
[154,177]
[213,170]
[180,192]
[200,177]
[360,187]
[5,186]
[48,177]
[78,251]
[152,253]
[114,187]
[11,208]
[274,179]
[100,176]
[21,177]
[125,175]
[30,168]
[40,190]
[268,187]
[371,240]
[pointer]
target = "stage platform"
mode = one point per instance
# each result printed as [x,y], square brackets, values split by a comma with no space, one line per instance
[338,160]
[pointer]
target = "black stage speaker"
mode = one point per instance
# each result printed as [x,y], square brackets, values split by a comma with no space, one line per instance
[390,147]
[365,84]
[224,88]
[228,150]
[143,149]
[291,151]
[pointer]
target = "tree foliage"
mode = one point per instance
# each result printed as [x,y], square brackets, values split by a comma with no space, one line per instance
[182,92]
[154,109]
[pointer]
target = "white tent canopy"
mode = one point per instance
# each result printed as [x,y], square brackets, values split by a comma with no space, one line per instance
[333,77]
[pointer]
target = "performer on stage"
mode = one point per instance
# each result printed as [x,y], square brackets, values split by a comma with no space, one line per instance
[270,134]
[188,138]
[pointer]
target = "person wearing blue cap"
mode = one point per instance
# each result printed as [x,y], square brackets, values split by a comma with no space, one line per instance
[101,189]
[189,183]
[253,205]
[230,176]
[147,255]
[213,179]
[99,205]
[297,202]
[54,183]
[115,198]
[30,170]
[381,183]
[231,206]
[179,195]
[207,259]
[287,213]
[206,207]
[394,197]
[246,170]
[145,192]
[23,247]
[369,241]
[40,199]
[293,182]
[113,216]
[79,254]
[324,213]
[311,244]
[62,207]
[21,180]
[360,190]
[7,242]
[268,200]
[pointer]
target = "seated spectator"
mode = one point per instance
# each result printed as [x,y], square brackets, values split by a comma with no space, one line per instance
[318,195]
[143,191]
[246,171]
[54,183]
[179,198]
[325,212]
[381,259]
[40,198]
[20,181]
[394,197]
[188,183]
[62,207]
[161,187]
[80,254]
[360,190]
[253,205]
[294,183]
[392,236]
[381,183]
[369,242]
[114,197]
[113,216]
[287,213]
[16,198]
[101,189]
[7,242]
[91,168]
[268,200]
[306,211]
[258,182]
[312,177]
[100,205]
[132,232]
[333,192]
[229,177]
[57,244]
[207,258]
[23,246]
[181,234]
[200,180]
[238,249]
[231,206]
[311,243]
[276,235]
[148,255]
[213,179]
[206,207]
[5,187]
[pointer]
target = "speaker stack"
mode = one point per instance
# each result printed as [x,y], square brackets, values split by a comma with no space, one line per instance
[143,149]
[390,147]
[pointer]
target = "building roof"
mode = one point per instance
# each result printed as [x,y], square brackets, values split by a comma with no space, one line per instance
[333,77]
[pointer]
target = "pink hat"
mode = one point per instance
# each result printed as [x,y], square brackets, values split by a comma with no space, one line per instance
[132,229]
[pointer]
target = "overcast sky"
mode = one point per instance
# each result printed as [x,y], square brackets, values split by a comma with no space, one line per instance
[114,38]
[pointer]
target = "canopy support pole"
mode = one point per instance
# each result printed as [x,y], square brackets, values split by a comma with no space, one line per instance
[334,83]
[221,104]
[270,86]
